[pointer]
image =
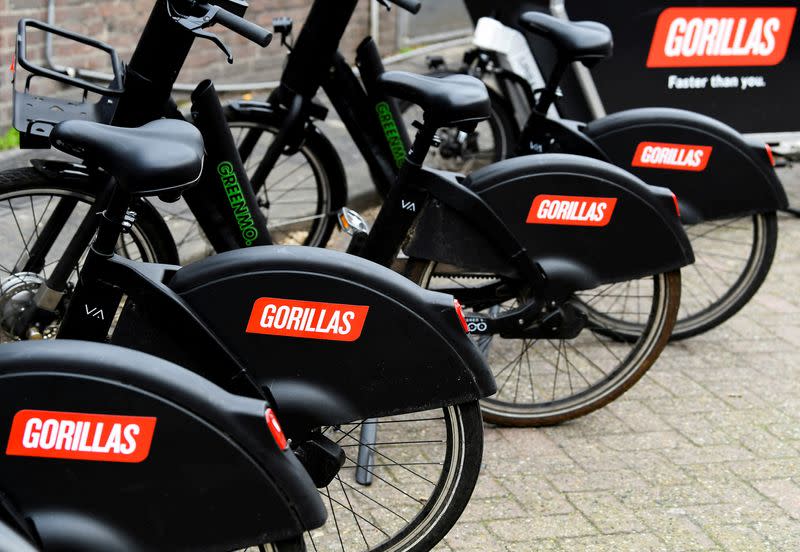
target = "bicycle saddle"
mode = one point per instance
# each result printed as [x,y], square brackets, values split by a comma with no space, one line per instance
[161,156]
[585,41]
[449,101]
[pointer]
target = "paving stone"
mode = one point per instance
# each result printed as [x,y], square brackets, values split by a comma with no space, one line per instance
[606,512]
[784,492]
[736,538]
[570,525]
[625,542]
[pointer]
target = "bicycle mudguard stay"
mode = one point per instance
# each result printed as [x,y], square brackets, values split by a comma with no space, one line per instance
[331,338]
[714,170]
[585,222]
[94,432]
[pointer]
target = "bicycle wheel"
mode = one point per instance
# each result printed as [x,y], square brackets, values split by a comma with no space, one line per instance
[28,200]
[549,381]
[304,190]
[732,260]
[493,140]
[424,467]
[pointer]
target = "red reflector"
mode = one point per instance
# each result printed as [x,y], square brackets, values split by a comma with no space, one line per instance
[769,154]
[275,429]
[460,313]
[13,63]
[677,207]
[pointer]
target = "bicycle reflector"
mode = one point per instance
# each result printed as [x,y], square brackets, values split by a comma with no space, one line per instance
[460,313]
[275,429]
[677,207]
[769,154]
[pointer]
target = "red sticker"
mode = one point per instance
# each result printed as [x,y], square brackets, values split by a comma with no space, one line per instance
[571,210]
[678,157]
[721,37]
[78,436]
[307,319]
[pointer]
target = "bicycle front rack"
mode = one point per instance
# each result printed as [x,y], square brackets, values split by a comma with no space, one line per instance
[34,115]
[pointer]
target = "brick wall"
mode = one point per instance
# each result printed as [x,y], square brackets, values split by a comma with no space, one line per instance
[119,23]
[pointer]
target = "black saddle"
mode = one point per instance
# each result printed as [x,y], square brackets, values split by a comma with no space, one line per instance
[456,100]
[161,156]
[585,41]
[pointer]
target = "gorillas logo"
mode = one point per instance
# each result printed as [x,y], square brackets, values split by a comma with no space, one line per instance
[721,37]
[679,157]
[330,321]
[76,436]
[571,210]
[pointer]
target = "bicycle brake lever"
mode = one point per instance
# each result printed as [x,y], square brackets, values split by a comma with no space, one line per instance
[196,24]
[216,40]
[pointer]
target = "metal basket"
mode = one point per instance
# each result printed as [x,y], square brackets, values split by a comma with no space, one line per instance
[35,116]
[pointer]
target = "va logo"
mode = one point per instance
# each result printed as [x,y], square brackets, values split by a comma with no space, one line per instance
[94,312]
[408,205]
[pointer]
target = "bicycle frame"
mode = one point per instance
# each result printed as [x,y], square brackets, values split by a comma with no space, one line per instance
[370,117]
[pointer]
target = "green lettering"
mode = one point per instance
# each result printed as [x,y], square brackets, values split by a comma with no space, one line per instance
[392,133]
[240,209]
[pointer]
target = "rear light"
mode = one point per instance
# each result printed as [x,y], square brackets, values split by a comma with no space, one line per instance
[769,154]
[677,206]
[275,429]
[460,313]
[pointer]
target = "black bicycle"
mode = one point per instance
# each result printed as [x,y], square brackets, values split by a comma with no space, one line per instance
[728,190]
[539,379]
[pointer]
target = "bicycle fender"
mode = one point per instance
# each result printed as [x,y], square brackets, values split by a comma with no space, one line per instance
[585,222]
[111,449]
[334,337]
[713,170]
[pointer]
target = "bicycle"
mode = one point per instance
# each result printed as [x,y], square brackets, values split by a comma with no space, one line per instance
[726,184]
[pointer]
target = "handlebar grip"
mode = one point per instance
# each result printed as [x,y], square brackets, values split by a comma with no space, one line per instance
[412,6]
[243,27]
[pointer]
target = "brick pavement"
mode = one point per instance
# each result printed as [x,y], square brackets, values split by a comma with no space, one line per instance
[702,454]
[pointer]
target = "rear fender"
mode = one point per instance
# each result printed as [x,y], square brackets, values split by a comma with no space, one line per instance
[199,470]
[637,232]
[714,170]
[401,350]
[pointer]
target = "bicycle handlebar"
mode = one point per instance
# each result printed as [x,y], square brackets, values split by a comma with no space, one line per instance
[243,27]
[412,6]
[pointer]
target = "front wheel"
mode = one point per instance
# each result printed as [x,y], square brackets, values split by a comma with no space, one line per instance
[732,259]
[305,189]
[33,207]
[549,381]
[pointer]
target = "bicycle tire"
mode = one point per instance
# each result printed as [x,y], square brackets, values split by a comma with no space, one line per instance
[642,355]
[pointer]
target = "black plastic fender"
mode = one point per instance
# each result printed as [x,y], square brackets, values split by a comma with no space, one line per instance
[400,349]
[195,467]
[713,170]
[586,222]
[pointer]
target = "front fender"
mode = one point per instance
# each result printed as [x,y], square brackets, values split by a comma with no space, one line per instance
[403,350]
[714,171]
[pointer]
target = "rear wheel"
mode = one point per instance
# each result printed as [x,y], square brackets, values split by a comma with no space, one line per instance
[549,381]
[732,260]
[423,468]
[28,200]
